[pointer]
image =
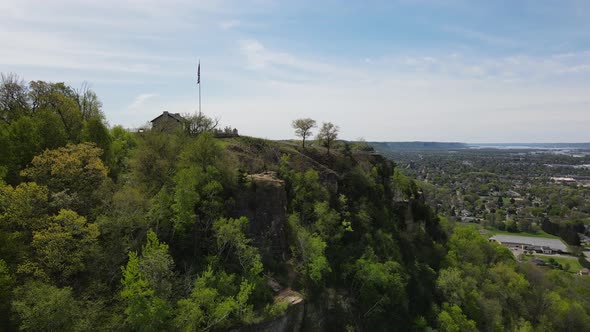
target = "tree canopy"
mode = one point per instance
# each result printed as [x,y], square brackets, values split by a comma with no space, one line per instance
[328,134]
[303,128]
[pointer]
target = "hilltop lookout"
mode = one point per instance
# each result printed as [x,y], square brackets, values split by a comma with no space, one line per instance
[171,122]
[168,122]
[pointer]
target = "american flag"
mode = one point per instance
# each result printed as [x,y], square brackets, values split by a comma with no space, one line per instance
[199,73]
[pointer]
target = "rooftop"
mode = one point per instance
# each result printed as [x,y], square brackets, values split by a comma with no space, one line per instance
[555,244]
[175,116]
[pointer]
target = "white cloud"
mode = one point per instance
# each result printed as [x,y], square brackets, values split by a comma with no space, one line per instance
[482,37]
[140,101]
[258,56]
[412,97]
[477,66]
[407,108]
[229,24]
[133,46]
[143,108]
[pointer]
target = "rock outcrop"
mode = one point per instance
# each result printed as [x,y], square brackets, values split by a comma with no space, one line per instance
[264,201]
[291,321]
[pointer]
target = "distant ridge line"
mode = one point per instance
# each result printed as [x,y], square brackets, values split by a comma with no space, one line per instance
[418,145]
[426,145]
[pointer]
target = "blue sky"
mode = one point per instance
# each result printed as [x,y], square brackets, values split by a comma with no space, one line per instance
[448,70]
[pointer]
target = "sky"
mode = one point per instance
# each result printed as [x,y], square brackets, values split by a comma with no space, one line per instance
[396,70]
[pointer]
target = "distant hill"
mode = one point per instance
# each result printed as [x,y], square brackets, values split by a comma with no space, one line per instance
[417,146]
[534,146]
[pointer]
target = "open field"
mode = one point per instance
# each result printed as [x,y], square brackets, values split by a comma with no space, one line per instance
[574,265]
[538,234]
[492,231]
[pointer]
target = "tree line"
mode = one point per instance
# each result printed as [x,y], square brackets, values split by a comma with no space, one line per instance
[326,136]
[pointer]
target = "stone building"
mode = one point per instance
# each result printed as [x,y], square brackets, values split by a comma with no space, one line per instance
[168,122]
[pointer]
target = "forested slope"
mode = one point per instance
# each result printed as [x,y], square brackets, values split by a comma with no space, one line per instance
[104,229]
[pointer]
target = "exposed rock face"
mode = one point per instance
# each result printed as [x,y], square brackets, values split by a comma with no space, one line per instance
[406,214]
[302,315]
[290,321]
[264,202]
[330,180]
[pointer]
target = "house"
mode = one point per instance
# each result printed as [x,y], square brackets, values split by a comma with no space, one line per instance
[584,272]
[563,180]
[168,122]
[512,194]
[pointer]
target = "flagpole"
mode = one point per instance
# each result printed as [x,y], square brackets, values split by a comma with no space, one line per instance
[199,78]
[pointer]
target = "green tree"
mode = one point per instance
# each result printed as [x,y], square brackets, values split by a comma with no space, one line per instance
[42,307]
[309,251]
[454,286]
[22,210]
[154,162]
[7,283]
[452,319]
[23,207]
[509,288]
[214,303]
[74,170]
[61,100]
[23,144]
[198,200]
[196,124]
[565,314]
[96,132]
[124,142]
[205,152]
[63,249]
[307,190]
[231,235]
[303,128]
[156,266]
[144,311]
[122,228]
[51,130]
[328,134]
[329,223]
[511,226]
[380,289]
[467,246]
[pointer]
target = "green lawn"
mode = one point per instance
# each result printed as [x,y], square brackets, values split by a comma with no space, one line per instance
[538,234]
[468,224]
[572,261]
[497,231]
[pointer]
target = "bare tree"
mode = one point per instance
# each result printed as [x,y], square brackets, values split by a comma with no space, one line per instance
[303,128]
[88,102]
[328,134]
[13,97]
[196,124]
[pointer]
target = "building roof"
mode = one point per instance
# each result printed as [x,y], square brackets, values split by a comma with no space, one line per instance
[175,116]
[555,244]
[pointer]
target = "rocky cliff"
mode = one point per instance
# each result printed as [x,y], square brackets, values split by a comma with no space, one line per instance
[263,200]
